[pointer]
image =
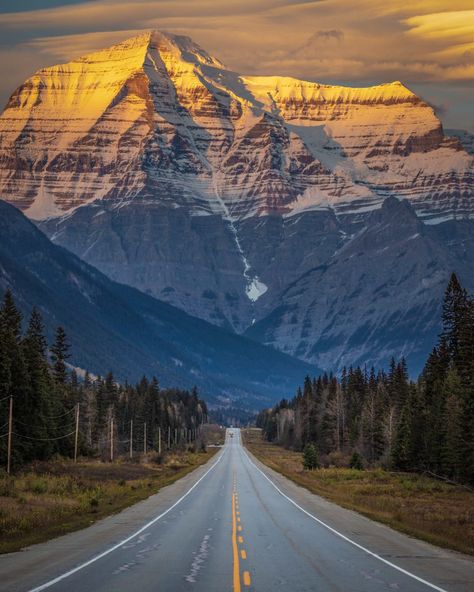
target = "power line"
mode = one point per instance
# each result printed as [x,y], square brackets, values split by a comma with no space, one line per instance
[48,417]
[28,425]
[44,439]
[69,412]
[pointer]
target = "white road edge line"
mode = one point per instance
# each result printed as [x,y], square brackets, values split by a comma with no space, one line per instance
[129,538]
[342,536]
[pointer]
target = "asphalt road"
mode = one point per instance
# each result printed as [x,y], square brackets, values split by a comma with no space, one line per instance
[235,525]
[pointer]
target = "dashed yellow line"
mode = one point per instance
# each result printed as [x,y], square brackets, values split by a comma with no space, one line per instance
[236,572]
[236,527]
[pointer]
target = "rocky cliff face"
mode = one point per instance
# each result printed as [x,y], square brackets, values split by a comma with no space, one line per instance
[380,293]
[466,139]
[219,192]
[156,117]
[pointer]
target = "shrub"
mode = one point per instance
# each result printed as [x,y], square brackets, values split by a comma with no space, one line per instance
[337,459]
[356,461]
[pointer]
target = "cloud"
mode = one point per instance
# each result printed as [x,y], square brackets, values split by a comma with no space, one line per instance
[453,26]
[331,34]
[67,47]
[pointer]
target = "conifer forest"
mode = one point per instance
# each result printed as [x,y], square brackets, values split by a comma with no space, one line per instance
[373,418]
[55,412]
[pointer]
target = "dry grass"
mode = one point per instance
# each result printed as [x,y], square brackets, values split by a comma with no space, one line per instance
[428,509]
[49,499]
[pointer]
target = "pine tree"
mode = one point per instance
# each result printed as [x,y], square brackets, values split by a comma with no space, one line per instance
[464,360]
[310,413]
[373,419]
[11,316]
[465,366]
[14,371]
[401,452]
[310,457]
[38,411]
[60,355]
[454,306]
[451,452]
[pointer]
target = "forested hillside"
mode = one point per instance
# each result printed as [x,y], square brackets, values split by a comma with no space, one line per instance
[369,418]
[50,404]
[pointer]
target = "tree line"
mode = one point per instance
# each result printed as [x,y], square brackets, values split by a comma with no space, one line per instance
[369,418]
[48,397]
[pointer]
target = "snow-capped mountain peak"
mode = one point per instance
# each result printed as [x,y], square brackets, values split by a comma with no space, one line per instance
[157,117]
[260,203]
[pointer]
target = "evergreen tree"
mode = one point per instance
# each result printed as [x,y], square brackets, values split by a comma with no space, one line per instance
[454,306]
[401,453]
[38,410]
[310,457]
[60,355]
[451,453]
[356,461]
[14,373]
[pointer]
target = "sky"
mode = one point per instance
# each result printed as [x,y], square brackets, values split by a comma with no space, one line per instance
[426,44]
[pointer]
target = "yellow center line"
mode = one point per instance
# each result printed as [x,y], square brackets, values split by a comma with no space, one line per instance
[235,548]
[239,528]
[247,578]
[241,539]
[243,554]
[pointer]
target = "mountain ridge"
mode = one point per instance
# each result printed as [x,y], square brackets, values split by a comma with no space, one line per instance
[159,82]
[216,191]
[115,327]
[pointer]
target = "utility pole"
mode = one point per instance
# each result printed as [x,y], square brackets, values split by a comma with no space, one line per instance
[10,434]
[169,437]
[112,439]
[144,438]
[159,440]
[131,439]
[76,436]
[175,436]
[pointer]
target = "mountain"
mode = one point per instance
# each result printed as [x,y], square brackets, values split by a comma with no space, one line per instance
[380,293]
[466,138]
[219,192]
[112,326]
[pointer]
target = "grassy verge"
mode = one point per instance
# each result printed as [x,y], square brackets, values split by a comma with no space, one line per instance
[417,505]
[50,499]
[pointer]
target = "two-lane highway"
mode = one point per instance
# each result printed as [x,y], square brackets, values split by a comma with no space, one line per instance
[237,526]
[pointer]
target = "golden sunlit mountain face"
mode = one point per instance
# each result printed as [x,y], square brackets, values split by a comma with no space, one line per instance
[427,44]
